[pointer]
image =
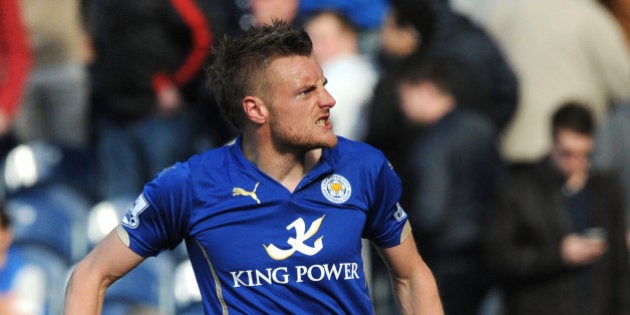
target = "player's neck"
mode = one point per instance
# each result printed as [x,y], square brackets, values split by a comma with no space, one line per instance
[288,168]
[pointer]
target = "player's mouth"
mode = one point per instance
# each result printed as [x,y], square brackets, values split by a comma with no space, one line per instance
[322,122]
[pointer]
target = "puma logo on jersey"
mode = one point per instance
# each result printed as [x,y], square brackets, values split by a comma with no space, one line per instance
[237,191]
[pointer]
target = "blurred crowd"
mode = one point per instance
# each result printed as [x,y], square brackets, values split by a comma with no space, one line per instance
[507,121]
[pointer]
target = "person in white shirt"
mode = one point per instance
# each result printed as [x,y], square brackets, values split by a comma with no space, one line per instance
[351,76]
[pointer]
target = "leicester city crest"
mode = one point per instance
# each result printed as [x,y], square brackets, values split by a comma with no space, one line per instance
[336,188]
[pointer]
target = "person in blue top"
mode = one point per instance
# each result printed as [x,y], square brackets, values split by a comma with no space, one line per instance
[21,288]
[272,222]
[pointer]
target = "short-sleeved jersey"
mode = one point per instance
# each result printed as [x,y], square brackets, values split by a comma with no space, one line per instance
[258,248]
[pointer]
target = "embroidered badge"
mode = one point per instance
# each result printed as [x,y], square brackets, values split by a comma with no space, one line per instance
[336,188]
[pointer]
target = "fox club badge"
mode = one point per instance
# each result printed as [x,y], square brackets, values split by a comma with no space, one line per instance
[336,188]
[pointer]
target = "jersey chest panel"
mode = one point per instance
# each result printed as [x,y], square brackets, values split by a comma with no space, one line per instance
[283,229]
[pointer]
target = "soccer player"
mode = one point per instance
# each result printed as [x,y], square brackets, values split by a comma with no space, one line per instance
[273,222]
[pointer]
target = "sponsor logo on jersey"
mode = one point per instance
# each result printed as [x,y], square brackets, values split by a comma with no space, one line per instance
[336,188]
[280,275]
[298,242]
[131,218]
[283,275]
[400,213]
[237,191]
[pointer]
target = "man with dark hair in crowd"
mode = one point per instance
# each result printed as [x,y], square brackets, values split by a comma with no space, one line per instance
[455,166]
[556,237]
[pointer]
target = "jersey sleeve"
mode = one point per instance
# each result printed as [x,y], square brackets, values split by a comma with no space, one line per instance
[158,218]
[386,218]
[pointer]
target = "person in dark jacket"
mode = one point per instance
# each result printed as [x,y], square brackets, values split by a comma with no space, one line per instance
[145,78]
[420,27]
[455,166]
[556,238]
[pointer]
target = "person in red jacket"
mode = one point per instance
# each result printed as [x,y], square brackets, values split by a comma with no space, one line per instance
[145,79]
[15,61]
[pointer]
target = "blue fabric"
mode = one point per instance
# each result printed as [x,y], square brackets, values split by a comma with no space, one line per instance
[7,274]
[264,248]
[366,14]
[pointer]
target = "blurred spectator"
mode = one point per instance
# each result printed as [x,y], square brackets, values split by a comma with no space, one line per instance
[19,294]
[148,54]
[238,16]
[351,77]
[241,15]
[455,166]
[398,41]
[612,152]
[55,104]
[367,15]
[561,50]
[264,11]
[458,38]
[214,129]
[478,11]
[556,236]
[15,63]
[430,26]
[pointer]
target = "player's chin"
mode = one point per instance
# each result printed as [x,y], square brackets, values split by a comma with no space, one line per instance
[329,141]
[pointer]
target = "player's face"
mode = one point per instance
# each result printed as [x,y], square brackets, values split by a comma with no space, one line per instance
[571,151]
[299,113]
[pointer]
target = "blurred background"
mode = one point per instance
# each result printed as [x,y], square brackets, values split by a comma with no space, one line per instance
[98,96]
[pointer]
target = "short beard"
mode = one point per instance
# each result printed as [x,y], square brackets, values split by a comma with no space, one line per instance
[284,142]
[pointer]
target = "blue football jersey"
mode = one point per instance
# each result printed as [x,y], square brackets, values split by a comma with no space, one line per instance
[258,248]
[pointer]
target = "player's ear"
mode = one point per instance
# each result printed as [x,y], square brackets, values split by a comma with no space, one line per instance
[255,109]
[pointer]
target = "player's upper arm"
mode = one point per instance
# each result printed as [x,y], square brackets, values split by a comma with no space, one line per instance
[112,258]
[106,263]
[403,259]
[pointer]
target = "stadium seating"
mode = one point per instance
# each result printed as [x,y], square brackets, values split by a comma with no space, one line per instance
[42,192]
[146,288]
[186,290]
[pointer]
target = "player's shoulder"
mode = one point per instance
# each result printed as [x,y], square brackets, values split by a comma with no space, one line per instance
[358,156]
[213,158]
[200,163]
[347,147]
